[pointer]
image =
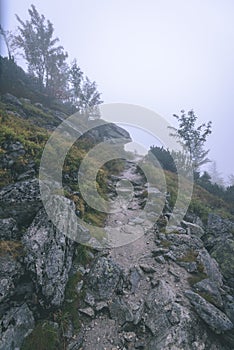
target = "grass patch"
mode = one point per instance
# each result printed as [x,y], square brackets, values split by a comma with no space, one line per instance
[43,337]
[165,244]
[12,248]
[197,277]
[207,297]
[190,256]
[72,300]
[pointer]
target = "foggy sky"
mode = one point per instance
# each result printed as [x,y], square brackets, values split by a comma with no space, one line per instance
[165,55]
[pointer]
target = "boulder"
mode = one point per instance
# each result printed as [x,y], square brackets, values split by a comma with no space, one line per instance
[21,201]
[120,311]
[9,98]
[223,252]
[104,278]
[209,289]
[193,229]
[218,230]
[15,326]
[10,272]
[210,314]
[8,229]
[211,268]
[48,257]
[88,311]
[157,301]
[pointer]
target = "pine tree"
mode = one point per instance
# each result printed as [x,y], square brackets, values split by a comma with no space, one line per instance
[84,93]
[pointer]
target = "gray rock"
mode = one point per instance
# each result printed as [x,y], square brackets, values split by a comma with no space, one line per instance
[138,313]
[12,99]
[211,268]
[120,311]
[128,336]
[137,221]
[48,258]
[27,175]
[175,230]
[88,311]
[76,342]
[219,226]
[160,259]
[158,299]
[223,252]
[104,278]
[38,105]
[101,305]
[89,299]
[193,229]
[211,315]
[15,326]
[147,268]
[159,251]
[210,289]
[26,100]
[229,310]
[189,266]
[182,243]
[62,210]
[20,201]
[8,229]
[134,278]
[79,286]
[10,272]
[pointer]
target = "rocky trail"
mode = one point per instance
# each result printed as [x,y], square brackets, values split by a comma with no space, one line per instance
[138,295]
[152,288]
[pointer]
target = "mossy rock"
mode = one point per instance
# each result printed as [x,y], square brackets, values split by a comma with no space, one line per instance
[223,253]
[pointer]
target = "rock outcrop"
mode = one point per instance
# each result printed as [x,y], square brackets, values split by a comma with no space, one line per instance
[15,326]
[20,201]
[48,257]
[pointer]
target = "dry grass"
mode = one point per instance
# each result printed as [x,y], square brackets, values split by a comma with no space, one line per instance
[13,248]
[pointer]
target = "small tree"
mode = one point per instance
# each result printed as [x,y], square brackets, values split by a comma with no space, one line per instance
[192,137]
[76,78]
[216,177]
[44,59]
[231,180]
[8,38]
[84,93]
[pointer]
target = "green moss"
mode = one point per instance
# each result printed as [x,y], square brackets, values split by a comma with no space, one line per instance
[97,219]
[200,274]
[83,255]
[190,256]
[208,297]
[197,277]
[70,292]
[165,244]
[72,300]
[43,337]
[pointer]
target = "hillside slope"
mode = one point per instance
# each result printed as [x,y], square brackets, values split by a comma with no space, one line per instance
[173,288]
